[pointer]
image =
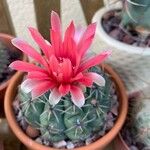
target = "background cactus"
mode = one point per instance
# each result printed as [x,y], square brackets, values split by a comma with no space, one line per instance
[65,120]
[136,13]
[4,60]
[141,125]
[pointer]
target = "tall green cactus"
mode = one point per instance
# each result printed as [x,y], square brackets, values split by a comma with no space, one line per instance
[136,13]
[65,120]
[4,60]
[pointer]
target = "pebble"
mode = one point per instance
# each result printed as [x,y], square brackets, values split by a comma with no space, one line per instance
[32,132]
[16,106]
[142,44]
[70,145]
[113,90]
[46,142]
[133,148]
[38,140]
[114,21]
[60,144]
[102,132]
[114,110]
[110,124]
[128,39]
[106,27]
[88,141]
[23,124]
[115,34]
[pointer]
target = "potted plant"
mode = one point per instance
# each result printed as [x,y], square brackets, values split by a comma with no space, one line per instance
[66,100]
[135,134]
[8,53]
[126,32]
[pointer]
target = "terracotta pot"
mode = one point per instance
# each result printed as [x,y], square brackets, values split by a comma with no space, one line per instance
[6,40]
[97,145]
[120,144]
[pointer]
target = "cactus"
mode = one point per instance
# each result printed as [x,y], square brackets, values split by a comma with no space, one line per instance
[64,95]
[65,120]
[136,13]
[141,126]
[4,60]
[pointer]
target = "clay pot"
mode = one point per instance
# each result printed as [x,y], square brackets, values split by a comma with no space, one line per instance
[97,145]
[119,143]
[6,40]
[130,61]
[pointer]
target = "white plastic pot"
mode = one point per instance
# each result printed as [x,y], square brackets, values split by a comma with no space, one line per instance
[131,62]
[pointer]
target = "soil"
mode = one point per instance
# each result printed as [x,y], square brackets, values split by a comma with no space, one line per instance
[12,56]
[35,134]
[111,23]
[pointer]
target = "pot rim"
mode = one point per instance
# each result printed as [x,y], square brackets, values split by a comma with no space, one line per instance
[111,41]
[7,37]
[99,144]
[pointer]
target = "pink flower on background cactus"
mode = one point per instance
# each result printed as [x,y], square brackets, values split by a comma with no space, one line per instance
[64,67]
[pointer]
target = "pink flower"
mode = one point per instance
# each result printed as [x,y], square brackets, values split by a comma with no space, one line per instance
[63,68]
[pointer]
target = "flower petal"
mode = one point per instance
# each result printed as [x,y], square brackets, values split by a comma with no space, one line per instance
[97,78]
[46,48]
[54,96]
[87,81]
[77,77]
[77,96]
[53,62]
[66,69]
[55,33]
[78,34]
[94,61]
[64,89]
[28,85]
[41,88]
[56,23]
[38,75]
[86,39]
[27,49]
[69,45]
[70,31]
[25,67]
[56,42]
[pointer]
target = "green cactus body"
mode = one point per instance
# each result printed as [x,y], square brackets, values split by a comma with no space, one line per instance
[141,127]
[31,109]
[4,60]
[136,13]
[76,122]
[65,120]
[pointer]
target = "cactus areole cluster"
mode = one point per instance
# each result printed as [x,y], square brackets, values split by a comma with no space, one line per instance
[65,94]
